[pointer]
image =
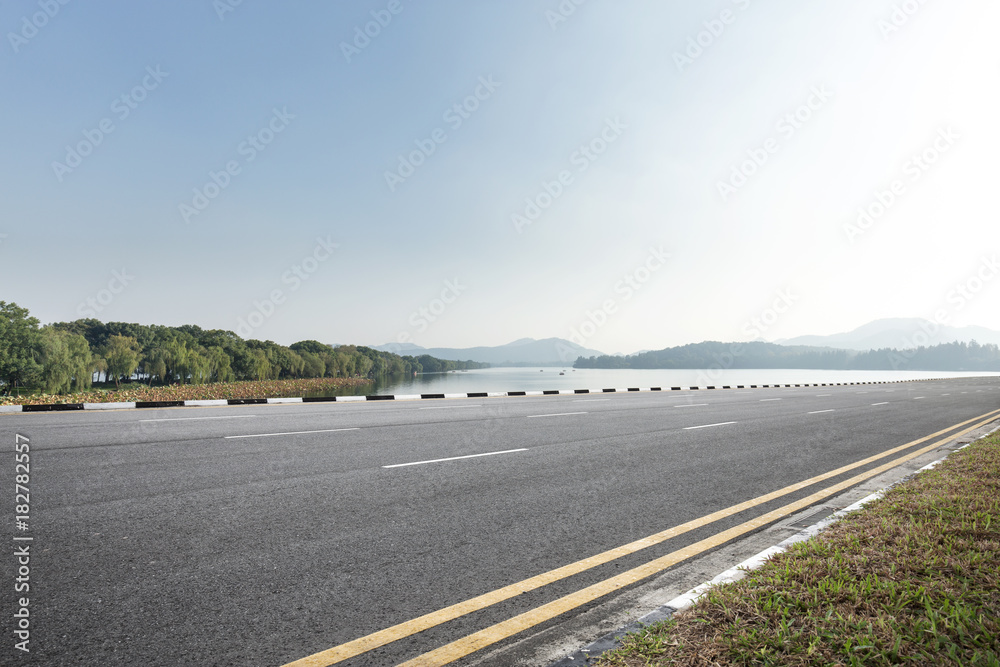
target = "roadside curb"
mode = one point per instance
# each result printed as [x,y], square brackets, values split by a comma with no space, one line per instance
[593,651]
[65,407]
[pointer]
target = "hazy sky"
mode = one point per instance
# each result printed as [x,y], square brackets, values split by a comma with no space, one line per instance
[468,173]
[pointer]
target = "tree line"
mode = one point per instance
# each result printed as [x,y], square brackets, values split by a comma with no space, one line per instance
[68,356]
[957,356]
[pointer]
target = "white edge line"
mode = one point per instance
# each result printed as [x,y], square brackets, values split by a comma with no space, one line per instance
[691,428]
[455,458]
[450,407]
[191,419]
[267,435]
[557,414]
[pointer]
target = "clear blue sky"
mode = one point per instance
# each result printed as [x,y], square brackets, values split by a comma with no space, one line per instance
[612,120]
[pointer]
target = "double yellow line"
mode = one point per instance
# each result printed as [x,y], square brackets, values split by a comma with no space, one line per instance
[495,633]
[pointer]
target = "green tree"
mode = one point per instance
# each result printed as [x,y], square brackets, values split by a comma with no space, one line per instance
[315,366]
[101,366]
[175,356]
[199,366]
[122,357]
[313,346]
[260,365]
[154,364]
[56,361]
[94,331]
[220,365]
[20,342]
[66,360]
[83,360]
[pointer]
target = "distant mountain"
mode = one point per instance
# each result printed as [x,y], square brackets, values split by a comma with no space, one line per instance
[899,333]
[713,354]
[521,352]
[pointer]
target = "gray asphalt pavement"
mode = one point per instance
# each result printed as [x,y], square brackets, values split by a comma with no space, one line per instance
[257,535]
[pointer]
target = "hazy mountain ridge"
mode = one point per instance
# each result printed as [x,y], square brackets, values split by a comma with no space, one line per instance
[714,354]
[884,334]
[899,333]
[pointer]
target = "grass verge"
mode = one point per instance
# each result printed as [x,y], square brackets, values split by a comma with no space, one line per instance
[913,579]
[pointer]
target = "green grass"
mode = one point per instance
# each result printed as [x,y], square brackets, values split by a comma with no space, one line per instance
[912,579]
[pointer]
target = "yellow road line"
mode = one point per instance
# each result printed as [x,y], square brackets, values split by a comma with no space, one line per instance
[396,632]
[495,633]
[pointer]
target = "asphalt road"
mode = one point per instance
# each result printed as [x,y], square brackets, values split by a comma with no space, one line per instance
[258,535]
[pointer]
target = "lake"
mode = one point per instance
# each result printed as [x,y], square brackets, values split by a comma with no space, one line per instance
[542,378]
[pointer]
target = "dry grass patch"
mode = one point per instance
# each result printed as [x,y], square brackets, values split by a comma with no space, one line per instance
[192,392]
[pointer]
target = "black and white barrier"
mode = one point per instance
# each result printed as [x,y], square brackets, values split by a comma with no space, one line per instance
[61,407]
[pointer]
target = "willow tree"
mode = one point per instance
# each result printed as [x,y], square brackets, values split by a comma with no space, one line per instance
[83,362]
[56,360]
[122,357]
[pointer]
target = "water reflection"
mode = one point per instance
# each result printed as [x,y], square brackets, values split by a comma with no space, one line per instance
[398,383]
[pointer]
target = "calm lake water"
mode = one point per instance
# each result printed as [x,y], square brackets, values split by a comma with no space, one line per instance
[542,378]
